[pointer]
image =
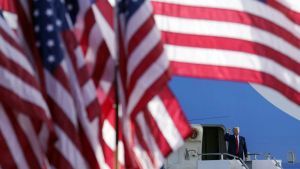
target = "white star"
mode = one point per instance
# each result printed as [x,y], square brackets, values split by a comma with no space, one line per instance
[51,58]
[50,43]
[37,28]
[70,7]
[49,12]
[36,13]
[62,1]
[49,28]
[58,22]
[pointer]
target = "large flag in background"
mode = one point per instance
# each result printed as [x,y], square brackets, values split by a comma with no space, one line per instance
[240,40]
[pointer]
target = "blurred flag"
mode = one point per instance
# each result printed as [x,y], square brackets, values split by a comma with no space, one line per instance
[71,95]
[240,40]
[98,42]
[24,114]
[152,121]
[96,38]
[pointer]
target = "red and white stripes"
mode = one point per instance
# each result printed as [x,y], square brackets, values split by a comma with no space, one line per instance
[20,144]
[72,100]
[288,8]
[97,37]
[166,128]
[23,109]
[236,40]
[151,141]
[18,86]
[146,67]
[148,123]
[62,127]
[142,67]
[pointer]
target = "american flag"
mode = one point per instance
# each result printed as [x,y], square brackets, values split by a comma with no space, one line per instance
[71,95]
[240,40]
[23,108]
[150,129]
[96,39]
[19,87]
[167,128]
[84,138]
[98,43]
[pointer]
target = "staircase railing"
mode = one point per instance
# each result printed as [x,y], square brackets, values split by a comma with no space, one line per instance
[222,157]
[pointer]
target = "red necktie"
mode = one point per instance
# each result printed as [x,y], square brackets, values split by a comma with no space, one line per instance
[237,145]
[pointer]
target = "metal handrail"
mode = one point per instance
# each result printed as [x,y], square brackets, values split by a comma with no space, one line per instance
[269,157]
[254,154]
[277,164]
[222,157]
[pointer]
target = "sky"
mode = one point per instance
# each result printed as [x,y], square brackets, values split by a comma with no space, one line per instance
[266,128]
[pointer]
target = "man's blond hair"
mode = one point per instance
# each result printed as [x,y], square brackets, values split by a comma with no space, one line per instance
[238,128]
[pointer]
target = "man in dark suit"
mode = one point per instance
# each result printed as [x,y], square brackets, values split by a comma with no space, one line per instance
[236,144]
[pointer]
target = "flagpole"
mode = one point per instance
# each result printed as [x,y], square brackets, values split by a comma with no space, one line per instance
[117,101]
[117,109]
[117,117]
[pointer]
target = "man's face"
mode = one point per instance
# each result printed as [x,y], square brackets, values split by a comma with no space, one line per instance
[236,131]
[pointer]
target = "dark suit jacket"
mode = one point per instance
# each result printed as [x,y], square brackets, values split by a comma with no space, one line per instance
[232,146]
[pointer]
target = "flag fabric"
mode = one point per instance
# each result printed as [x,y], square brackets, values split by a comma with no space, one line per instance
[96,38]
[97,41]
[8,11]
[239,40]
[71,94]
[56,96]
[19,88]
[160,129]
[20,141]
[23,109]
[143,65]
[150,129]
